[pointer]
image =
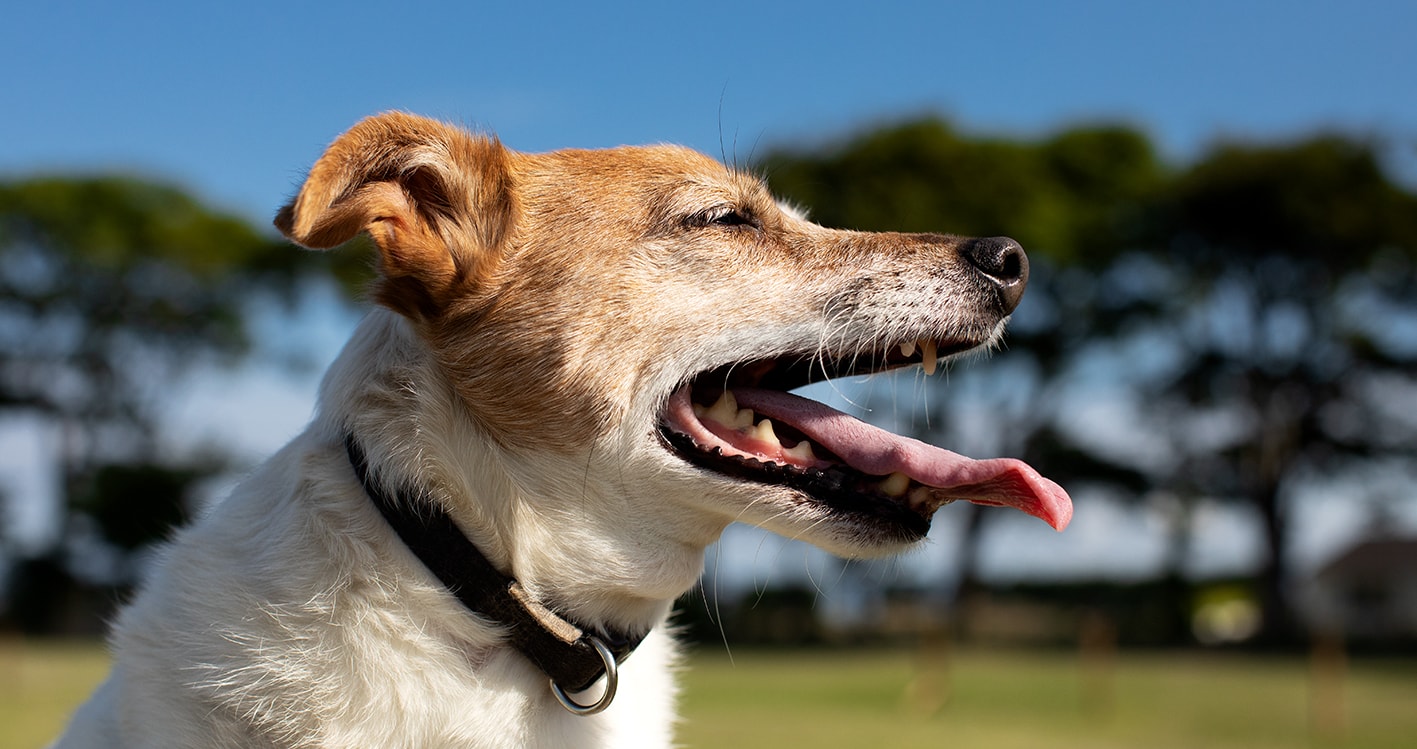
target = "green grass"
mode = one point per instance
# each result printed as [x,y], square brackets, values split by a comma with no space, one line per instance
[884,700]
[1004,700]
[40,684]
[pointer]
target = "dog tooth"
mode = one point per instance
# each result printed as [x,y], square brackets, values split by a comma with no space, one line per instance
[907,349]
[699,411]
[724,410]
[764,433]
[743,419]
[895,484]
[801,451]
[928,357]
[925,498]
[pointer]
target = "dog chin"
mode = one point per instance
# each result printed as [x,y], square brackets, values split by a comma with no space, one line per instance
[839,534]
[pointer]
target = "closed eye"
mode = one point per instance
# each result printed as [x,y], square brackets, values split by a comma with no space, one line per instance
[726,216]
[734,218]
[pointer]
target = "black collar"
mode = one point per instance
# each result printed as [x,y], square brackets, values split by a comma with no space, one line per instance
[564,651]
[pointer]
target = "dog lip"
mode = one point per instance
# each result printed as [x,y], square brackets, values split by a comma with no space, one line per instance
[874,454]
[875,451]
[836,486]
[904,474]
[793,370]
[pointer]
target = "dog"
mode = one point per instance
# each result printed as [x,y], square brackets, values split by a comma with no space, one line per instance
[575,377]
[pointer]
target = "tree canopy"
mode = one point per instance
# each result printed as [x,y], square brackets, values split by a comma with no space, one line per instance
[110,288]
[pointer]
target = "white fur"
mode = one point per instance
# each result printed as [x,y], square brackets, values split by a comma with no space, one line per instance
[291,616]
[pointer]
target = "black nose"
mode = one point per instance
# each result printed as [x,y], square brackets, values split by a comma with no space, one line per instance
[1003,261]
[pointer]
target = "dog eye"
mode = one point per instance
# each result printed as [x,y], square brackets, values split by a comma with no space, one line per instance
[733,218]
[726,216]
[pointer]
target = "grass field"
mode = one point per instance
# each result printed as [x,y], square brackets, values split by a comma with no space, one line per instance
[883,700]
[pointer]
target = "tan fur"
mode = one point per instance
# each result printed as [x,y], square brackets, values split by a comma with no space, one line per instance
[541,310]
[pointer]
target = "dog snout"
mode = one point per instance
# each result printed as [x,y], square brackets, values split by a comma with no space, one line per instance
[1003,262]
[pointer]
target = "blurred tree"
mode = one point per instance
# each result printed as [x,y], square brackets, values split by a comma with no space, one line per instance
[1256,310]
[109,289]
[1291,301]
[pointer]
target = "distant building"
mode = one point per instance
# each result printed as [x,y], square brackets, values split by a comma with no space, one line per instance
[1368,592]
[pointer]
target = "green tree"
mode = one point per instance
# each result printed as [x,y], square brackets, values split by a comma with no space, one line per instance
[1292,285]
[110,289]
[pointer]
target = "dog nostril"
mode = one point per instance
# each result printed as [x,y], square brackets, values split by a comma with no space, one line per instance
[1012,265]
[1004,262]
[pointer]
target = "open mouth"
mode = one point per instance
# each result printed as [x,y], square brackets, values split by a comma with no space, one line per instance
[740,421]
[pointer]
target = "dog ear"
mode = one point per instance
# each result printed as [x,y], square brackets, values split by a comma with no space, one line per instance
[436,199]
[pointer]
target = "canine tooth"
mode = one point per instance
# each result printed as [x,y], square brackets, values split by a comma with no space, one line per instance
[743,419]
[724,410]
[923,498]
[907,348]
[928,357]
[699,411]
[895,484]
[764,433]
[801,451]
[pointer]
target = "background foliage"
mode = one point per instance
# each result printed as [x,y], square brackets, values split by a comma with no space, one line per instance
[1257,310]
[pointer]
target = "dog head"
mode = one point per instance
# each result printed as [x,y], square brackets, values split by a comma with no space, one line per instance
[635,315]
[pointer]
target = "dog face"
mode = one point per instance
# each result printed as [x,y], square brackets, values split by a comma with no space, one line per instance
[650,306]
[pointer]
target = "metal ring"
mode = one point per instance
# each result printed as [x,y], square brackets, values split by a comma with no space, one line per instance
[612,680]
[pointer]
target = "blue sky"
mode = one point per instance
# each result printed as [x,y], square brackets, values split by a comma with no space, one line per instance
[236,100]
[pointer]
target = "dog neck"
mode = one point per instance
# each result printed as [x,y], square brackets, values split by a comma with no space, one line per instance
[568,542]
[563,651]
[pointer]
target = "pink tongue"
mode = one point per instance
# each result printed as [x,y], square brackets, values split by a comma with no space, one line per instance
[877,452]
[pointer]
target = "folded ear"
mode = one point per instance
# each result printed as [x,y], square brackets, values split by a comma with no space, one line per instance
[437,200]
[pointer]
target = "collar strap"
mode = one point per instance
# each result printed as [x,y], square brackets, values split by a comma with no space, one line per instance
[563,651]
